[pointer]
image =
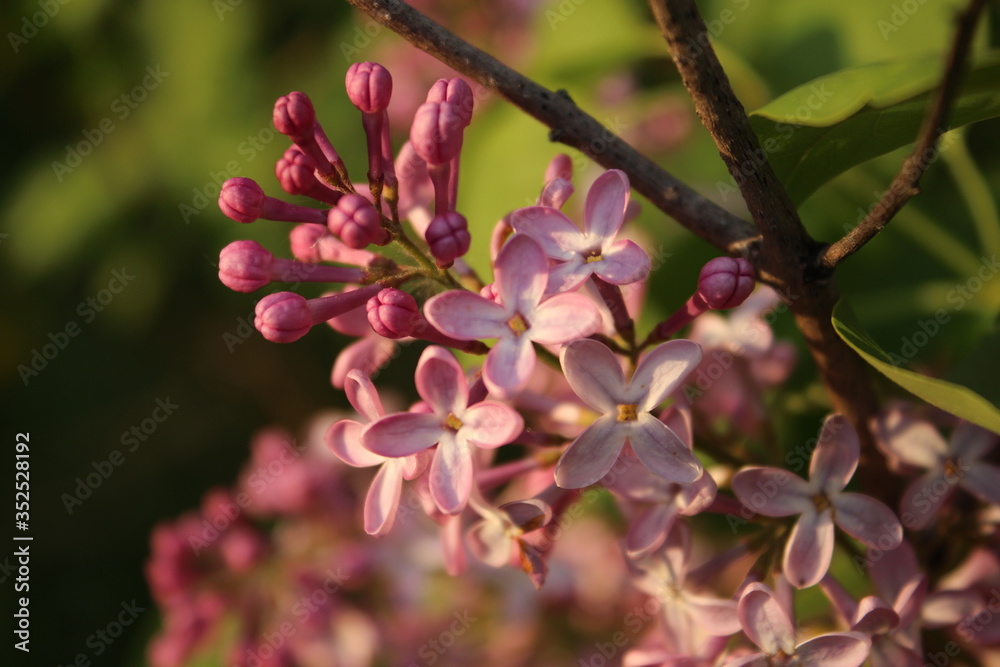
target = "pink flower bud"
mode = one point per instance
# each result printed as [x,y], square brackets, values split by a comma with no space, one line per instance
[393,313]
[436,132]
[561,166]
[294,116]
[457,93]
[726,282]
[315,243]
[296,172]
[245,266]
[369,87]
[448,237]
[283,317]
[242,199]
[356,222]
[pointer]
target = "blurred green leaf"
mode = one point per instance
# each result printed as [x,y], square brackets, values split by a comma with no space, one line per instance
[950,397]
[822,128]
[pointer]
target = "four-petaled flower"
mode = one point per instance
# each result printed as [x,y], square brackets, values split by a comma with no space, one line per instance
[595,250]
[821,502]
[595,374]
[453,425]
[519,318]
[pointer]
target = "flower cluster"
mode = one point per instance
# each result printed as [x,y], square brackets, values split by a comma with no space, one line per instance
[566,396]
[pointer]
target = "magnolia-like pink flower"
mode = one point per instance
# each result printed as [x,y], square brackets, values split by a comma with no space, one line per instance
[949,464]
[595,374]
[769,626]
[519,319]
[453,425]
[820,502]
[594,251]
[344,438]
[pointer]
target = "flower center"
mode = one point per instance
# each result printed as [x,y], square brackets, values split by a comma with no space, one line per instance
[452,423]
[821,502]
[593,256]
[517,324]
[952,469]
[627,412]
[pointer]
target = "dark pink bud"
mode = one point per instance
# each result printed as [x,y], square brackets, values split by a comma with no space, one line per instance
[294,116]
[242,199]
[283,317]
[356,222]
[726,282]
[245,266]
[436,132]
[457,93]
[448,237]
[393,313]
[561,166]
[296,172]
[369,86]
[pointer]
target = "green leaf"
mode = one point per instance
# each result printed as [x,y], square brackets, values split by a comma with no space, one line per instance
[950,397]
[821,129]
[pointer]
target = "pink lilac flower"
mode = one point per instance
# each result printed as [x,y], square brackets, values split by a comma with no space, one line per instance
[497,539]
[769,626]
[520,319]
[968,598]
[958,462]
[820,502]
[595,374]
[593,251]
[344,438]
[663,501]
[454,426]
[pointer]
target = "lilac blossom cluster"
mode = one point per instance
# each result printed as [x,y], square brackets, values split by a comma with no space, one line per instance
[566,396]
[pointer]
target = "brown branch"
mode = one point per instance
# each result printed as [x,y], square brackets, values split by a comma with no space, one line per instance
[907,181]
[570,125]
[787,250]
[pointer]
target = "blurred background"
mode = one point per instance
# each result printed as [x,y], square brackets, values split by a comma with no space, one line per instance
[138,375]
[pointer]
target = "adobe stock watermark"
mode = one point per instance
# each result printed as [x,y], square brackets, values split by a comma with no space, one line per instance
[121,108]
[60,339]
[105,636]
[30,25]
[131,440]
[898,17]
[248,149]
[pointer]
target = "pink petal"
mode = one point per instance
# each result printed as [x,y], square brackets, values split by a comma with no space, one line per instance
[604,211]
[661,371]
[490,424]
[415,465]
[716,617]
[836,455]
[749,337]
[983,481]
[913,441]
[383,498]
[591,455]
[678,419]
[874,617]
[402,434]
[924,498]
[490,543]
[452,545]
[563,318]
[892,576]
[508,365]
[809,549]
[677,553]
[887,653]
[521,272]
[594,373]
[466,316]
[528,514]
[344,438]
[451,475]
[837,649]
[623,263]
[661,451]
[764,621]
[695,497]
[868,520]
[441,382]
[970,442]
[363,395]
[648,532]
[568,276]
[772,491]
[366,355]
[558,236]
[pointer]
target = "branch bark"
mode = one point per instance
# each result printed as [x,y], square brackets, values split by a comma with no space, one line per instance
[907,181]
[570,125]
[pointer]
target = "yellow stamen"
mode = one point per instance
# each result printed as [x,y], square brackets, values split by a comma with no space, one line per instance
[821,502]
[593,258]
[952,469]
[452,422]
[517,324]
[627,412]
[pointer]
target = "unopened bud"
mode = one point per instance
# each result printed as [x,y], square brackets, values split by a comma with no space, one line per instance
[393,313]
[356,222]
[369,87]
[448,237]
[726,282]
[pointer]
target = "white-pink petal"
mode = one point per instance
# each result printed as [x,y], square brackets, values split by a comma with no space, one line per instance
[764,621]
[559,237]
[923,499]
[623,263]
[809,549]
[661,451]
[836,455]
[837,649]
[383,498]
[363,396]
[604,211]
[772,491]
[563,318]
[568,276]
[441,382]
[649,530]
[451,474]
[521,272]
[508,365]
[971,442]
[594,373]
[868,520]
[661,371]
[344,438]
[368,354]
[983,481]
[591,455]
[466,316]
[489,424]
[402,434]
